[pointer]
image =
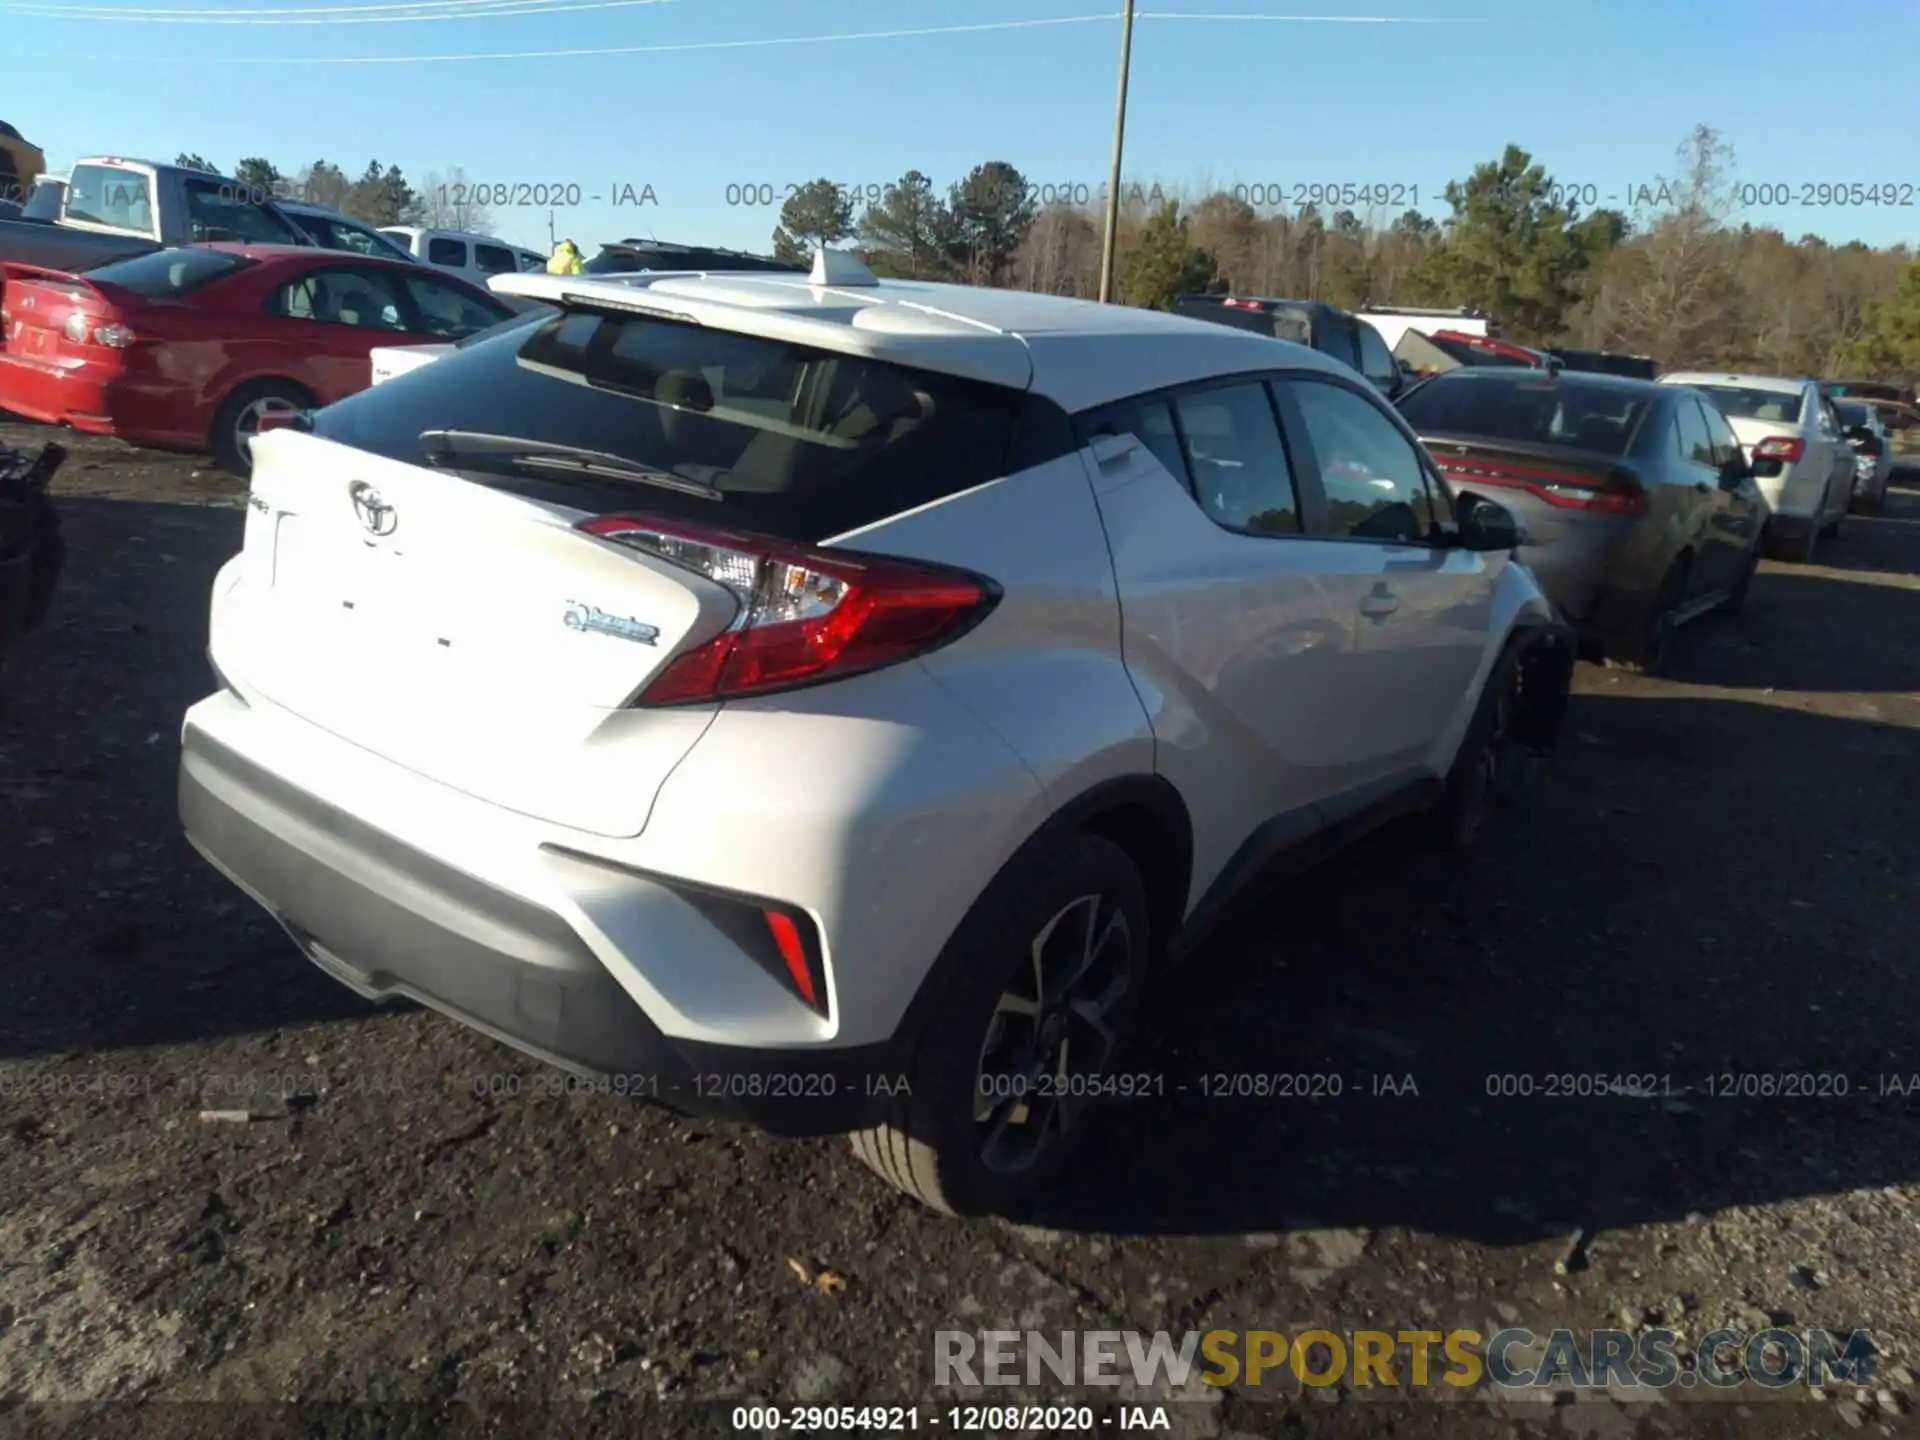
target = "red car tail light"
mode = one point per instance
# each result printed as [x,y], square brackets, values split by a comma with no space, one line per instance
[1788,448]
[1618,493]
[806,615]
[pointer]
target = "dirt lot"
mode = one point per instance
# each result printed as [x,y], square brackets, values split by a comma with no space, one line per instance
[1716,877]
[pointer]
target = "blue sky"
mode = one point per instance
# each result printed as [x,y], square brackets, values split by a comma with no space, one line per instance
[1600,91]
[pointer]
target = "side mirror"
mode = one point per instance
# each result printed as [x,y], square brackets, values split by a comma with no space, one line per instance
[1486,524]
[1735,473]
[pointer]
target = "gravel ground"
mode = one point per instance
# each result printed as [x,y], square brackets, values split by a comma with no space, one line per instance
[1715,876]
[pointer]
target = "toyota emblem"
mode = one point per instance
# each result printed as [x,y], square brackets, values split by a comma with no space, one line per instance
[376,515]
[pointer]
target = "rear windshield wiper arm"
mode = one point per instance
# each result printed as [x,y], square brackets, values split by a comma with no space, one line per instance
[476,448]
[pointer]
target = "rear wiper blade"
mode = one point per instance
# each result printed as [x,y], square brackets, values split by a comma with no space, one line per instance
[477,448]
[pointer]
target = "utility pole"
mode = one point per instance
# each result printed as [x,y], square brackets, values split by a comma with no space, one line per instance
[549,231]
[1113,178]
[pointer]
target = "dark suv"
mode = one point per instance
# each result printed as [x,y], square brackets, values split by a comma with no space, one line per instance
[627,257]
[1319,326]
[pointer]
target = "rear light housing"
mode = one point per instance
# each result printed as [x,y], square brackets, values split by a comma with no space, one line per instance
[83,328]
[284,420]
[781,939]
[1618,493]
[1786,448]
[807,616]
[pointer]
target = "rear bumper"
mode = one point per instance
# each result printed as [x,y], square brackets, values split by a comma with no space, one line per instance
[388,921]
[94,403]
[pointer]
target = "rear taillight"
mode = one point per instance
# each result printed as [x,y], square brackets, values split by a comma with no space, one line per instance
[1788,448]
[806,615]
[82,328]
[1618,494]
[282,420]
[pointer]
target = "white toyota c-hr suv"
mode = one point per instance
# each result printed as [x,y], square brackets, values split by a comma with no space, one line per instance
[825,701]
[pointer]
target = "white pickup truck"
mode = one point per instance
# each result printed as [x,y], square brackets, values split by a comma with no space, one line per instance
[1393,321]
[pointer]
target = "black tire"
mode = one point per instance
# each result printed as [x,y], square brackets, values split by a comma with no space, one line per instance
[1489,774]
[1737,596]
[1646,654]
[224,439]
[1800,550]
[932,1142]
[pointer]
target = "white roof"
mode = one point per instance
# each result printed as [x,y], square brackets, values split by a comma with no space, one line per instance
[1751,382]
[1078,353]
[473,235]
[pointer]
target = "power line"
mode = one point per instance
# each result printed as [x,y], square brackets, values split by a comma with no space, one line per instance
[474,10]
[848,37]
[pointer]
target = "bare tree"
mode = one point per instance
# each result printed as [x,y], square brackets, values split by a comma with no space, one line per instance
[449,201]
[1684,279]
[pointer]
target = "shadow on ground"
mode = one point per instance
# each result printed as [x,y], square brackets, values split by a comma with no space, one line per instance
[1703,887]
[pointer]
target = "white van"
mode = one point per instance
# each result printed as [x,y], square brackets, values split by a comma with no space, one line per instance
[472,257]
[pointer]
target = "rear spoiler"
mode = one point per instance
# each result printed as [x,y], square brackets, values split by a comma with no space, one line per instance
[18,270]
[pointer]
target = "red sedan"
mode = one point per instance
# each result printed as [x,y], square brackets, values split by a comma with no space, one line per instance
[187,349]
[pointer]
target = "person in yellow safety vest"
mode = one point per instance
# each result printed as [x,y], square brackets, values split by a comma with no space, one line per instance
[566,260]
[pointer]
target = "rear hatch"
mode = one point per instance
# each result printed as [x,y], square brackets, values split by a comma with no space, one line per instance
[442,624]
[417,586]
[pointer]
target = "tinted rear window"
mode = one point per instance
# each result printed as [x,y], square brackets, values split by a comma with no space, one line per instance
[1599,418]
[1853,414]
[160,274]
[802,443]
[1737,402]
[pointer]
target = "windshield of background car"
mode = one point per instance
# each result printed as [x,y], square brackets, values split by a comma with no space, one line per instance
[800,443]
[1567,412]
[1738,402]
[168,274]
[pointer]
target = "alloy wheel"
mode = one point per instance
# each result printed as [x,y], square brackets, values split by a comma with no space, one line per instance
[247,424]
[1051,1034]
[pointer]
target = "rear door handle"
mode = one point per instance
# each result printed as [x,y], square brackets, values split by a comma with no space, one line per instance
[1381,603]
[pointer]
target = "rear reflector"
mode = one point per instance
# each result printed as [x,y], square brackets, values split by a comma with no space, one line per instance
[806,615]
[1780,447]
[1617,494]
[793,954]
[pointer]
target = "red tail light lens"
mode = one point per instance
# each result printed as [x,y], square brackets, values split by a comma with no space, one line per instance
[1612,495]
[278,420]
[1788,448]
[806,615]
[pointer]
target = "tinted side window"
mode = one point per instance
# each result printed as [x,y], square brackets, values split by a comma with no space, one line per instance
[1337,340]
[1150,422]
[1376,361]
[1696,446]
[441,251]
[1241,474]
[220,210]
[1726,445]
[495,260]
[363,299]
[449,311]
[1375,485]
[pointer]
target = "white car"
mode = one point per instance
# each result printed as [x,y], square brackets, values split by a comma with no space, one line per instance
[478,258]
[1797,446]
[1872,445]
[724,693]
